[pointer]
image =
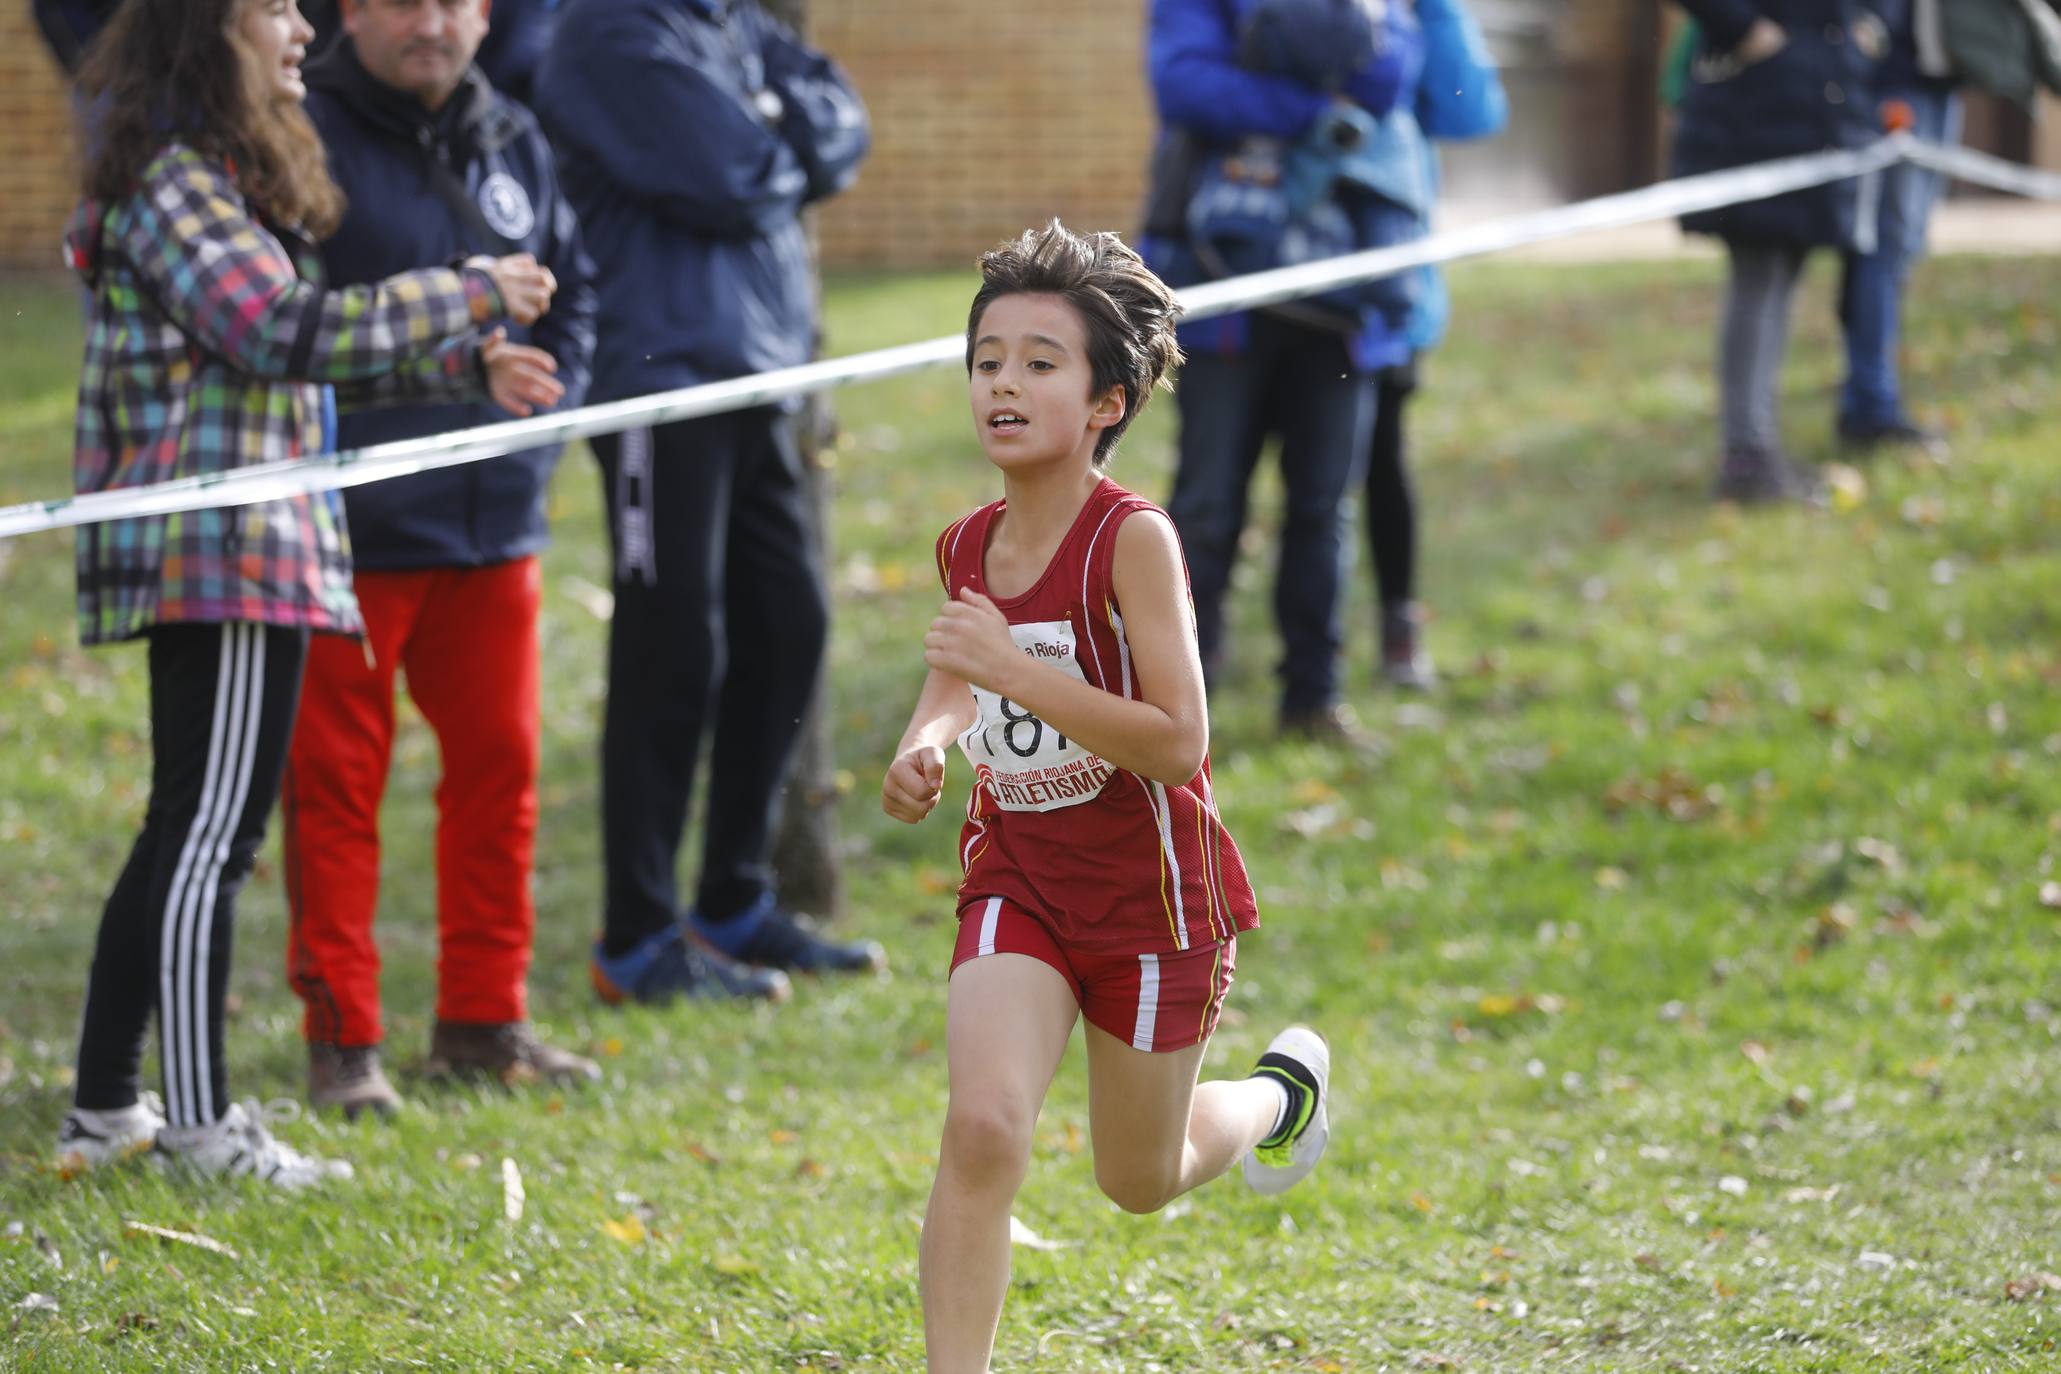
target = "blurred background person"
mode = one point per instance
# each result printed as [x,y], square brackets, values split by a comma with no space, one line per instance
[1770,79]
[1922,91]
[210,340]
[691,134]
[1459,95]
[435,166]
[1242,88]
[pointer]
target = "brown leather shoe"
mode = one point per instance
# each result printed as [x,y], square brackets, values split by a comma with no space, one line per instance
[507,1050]
[1337,726]
[349,1079]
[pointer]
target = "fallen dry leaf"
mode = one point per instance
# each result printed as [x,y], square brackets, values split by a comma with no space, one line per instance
[628,1231]
[2031,1286]
[697,1151]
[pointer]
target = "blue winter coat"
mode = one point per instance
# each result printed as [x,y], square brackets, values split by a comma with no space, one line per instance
[690,134]
[1818,92]
[380,141]
[1459,96]
[1199,86]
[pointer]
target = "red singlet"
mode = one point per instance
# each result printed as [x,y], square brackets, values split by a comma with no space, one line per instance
[1102,856]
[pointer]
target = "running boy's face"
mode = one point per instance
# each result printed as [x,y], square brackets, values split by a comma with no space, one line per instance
[1031,385]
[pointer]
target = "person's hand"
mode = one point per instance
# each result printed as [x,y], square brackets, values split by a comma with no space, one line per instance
[520,379]
[526,285]
[913,784]
[1762,41]
[970,640]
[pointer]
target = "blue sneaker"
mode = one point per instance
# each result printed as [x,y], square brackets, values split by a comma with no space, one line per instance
[667,965]
[771,937]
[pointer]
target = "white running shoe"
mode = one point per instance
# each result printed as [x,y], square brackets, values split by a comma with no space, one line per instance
[89,1139]
[241,1144]
[1300,1055]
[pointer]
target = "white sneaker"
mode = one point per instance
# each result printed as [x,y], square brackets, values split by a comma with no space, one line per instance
[241,1144]
[89,1139]
[1301,1054]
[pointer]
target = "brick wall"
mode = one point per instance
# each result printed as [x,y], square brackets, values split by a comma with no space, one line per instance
[987,119]
[38,176]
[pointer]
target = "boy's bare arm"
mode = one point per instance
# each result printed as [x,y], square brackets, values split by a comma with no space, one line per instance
[916,778]
[1163,737]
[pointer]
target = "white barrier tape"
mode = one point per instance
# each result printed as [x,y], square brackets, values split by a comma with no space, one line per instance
[1981,169]
[1665,200]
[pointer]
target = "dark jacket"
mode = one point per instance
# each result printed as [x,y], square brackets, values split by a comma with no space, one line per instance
[381,142]
[1818,92]
[690,134]
[2004,46]
[69,25]
[1203,90]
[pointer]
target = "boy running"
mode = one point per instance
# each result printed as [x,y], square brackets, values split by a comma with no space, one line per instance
[1100,881]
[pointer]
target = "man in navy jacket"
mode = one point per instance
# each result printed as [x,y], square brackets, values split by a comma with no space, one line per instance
[691,133]
[437,166]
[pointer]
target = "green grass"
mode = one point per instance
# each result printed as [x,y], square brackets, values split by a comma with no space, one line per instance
[1686,948]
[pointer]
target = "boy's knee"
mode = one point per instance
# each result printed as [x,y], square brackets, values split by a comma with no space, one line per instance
[1139,1190]
[987,1140]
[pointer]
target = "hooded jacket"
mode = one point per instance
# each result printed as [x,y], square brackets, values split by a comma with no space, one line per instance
[210,336]
[690,134]
[384,147]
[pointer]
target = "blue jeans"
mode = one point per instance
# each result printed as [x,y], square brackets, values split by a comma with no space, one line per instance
[1299,384]
[1871,290]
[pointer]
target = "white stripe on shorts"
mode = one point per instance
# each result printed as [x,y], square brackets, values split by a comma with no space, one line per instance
[1148,1002]
[989,919]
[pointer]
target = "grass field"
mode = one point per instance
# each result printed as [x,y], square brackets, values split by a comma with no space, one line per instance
[1694,995]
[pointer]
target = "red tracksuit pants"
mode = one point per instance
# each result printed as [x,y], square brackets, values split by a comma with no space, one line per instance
[466,638]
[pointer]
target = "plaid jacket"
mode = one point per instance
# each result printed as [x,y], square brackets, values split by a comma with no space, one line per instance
[210,342]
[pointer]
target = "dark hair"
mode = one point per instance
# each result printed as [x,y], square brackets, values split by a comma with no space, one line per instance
[166,70]
[1128,312]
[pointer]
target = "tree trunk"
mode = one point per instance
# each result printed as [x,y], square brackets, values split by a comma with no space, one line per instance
[806,866]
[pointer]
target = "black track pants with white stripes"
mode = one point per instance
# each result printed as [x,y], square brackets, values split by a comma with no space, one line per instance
[222,701]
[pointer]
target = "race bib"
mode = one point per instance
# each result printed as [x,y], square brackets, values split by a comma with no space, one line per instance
[1024,763]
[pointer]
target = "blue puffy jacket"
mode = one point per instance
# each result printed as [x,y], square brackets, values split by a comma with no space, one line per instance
[690,134]
[380,142]
[1200,87]
[1818,92]
[1459,96]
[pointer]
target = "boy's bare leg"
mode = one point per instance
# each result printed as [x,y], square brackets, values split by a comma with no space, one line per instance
[1157,1132]
[1007,1020]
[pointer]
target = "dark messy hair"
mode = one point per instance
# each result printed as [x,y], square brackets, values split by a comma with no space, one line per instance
[168,69]
[1128,312]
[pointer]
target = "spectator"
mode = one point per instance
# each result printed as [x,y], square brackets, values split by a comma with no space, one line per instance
[435,165]
[1772,78]
[1266,373]
[1459,96]
[691,133]
[1871,406]
[210,335]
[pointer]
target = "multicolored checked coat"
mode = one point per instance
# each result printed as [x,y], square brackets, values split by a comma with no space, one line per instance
[210,342]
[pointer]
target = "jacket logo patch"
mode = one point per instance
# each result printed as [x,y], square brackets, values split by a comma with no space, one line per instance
[506,206]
